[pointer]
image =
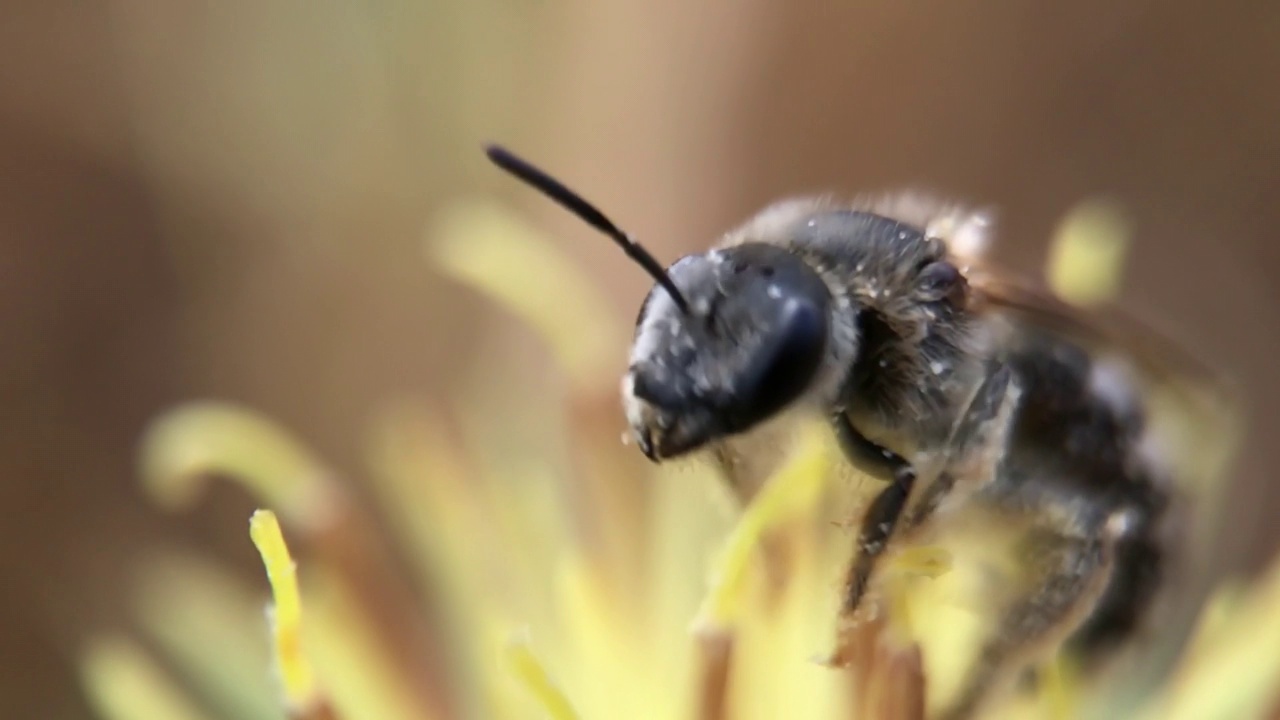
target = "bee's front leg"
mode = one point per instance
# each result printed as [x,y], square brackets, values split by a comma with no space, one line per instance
[882,514]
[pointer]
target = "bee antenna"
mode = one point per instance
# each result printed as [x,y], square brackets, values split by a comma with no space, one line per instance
[574,203]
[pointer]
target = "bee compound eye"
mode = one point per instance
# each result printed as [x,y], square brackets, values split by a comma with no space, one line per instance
[786,364]
[938,280]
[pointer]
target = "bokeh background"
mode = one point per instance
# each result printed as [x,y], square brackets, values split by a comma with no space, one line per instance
[230,199]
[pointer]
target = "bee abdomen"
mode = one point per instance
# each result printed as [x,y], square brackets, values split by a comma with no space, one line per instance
[1079,427]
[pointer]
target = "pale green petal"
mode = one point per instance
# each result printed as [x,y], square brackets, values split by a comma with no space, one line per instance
[123,682]
[211,625]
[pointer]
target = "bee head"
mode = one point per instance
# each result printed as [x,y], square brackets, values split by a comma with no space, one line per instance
[724,341]
[747,344]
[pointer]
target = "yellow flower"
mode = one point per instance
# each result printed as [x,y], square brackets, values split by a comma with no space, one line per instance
[510,559]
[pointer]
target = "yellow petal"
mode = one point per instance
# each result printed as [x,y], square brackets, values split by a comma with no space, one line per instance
[525,667]
[1234,671]
[426,490]
[491,249]
[1061,689]
[359,678]
[791,491]
[1087,256]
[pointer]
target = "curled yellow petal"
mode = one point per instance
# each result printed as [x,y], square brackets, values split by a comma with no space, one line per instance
[286,615]
[123,682]
[526,668]
[491,249]
[1087,255]
[183,447]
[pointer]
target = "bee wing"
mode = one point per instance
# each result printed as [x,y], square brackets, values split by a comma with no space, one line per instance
[1193,416]
[1175,381]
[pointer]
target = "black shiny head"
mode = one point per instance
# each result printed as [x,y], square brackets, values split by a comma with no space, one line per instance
[749,346]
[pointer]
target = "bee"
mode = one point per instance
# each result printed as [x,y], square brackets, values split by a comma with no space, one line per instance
[954,384]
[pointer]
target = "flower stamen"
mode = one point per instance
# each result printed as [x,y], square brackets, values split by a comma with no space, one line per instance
[298,679]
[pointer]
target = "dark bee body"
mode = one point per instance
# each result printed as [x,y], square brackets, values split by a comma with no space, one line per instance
[957,389]
[1076,441]
[956,401]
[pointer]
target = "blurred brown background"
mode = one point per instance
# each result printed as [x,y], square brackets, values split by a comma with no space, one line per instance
[229,199]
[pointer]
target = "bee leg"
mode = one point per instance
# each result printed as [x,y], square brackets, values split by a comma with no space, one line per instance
[1068,571]
[877,527]
[863,454]
[882,515]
